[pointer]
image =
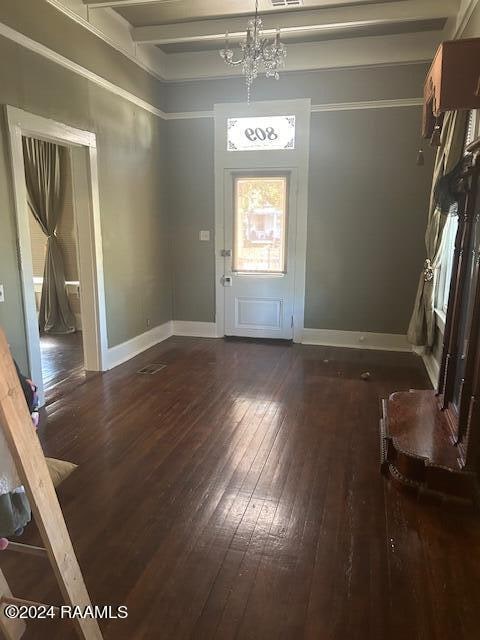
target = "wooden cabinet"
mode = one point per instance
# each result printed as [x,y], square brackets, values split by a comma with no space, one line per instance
[453,81]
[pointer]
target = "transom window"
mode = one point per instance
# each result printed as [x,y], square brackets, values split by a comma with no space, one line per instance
[263,133]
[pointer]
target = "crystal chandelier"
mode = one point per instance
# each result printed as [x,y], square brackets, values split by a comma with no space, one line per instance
[256,51]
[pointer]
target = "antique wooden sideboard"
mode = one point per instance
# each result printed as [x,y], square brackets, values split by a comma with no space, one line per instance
[430,439]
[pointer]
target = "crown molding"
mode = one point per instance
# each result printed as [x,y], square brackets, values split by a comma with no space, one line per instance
[53,56]
[466,10]
[112,28]
[128,47]
[66,63]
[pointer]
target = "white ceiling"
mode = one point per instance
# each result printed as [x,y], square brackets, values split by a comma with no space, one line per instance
[183,36]
[147,12]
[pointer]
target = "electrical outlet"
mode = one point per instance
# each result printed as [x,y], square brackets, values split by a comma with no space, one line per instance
[205,236]
[2,293]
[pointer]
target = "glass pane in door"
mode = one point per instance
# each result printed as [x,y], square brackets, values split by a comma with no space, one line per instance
[260,224]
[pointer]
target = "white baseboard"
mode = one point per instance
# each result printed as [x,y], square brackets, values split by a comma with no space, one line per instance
[131,348]
[194,329]
[322,337]
[433,368]
[356,339]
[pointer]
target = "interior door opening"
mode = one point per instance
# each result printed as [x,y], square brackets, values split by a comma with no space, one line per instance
[61,343]
[36,185]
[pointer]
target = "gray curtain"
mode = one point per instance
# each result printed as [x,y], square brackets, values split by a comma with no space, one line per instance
[44,174]
[421,331]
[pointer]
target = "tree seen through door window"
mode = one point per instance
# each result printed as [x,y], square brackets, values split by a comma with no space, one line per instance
[260,223]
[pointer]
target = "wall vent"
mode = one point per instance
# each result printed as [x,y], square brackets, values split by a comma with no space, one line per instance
[287,3]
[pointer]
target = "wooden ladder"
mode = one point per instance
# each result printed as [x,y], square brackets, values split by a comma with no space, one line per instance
[28,456]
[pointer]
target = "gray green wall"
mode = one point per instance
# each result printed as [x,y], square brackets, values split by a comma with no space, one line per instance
[132,159]
[192,208]
[43,23]
[367,198]
[366,219]
[325,86]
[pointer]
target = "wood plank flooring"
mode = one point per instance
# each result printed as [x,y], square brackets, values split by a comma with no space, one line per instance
[237,494]
[62,364]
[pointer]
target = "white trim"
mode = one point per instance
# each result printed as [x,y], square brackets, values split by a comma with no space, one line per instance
[311,20]
[463,18]
[127,350]
[71,286]
[368,104]
[133,347]
[440,319]
[120,3]
[82,145]
[108,15]
[433,369]
[38,280]
[296,159]
[53,56]
[356,339]
[317,108]
[189,115]
[195,329]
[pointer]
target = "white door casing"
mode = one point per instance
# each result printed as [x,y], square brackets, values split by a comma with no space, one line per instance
[83,151]
[260,304]
[270,302]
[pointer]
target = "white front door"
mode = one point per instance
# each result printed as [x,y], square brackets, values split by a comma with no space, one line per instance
[259,252]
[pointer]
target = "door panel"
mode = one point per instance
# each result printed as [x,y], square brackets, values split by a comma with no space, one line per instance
[258,313]
[260,213]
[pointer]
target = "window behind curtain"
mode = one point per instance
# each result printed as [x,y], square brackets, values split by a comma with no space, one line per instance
[445,271]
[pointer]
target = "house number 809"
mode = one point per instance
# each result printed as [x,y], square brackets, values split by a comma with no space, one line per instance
[261,134]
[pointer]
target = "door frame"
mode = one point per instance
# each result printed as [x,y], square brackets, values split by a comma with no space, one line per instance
[82,146]
[291,173]
[294,159]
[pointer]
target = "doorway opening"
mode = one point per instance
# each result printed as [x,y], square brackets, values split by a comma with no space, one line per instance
[61,347]
[58,356]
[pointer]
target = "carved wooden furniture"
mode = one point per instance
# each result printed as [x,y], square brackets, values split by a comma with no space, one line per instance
[453,82]
[431,440]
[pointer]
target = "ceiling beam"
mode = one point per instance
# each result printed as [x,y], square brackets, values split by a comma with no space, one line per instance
[319,20]
[397,49]
[264,5]
[100,4]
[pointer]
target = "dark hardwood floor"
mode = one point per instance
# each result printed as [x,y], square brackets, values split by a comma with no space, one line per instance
[62,364]
[237,494]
